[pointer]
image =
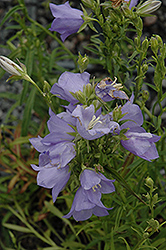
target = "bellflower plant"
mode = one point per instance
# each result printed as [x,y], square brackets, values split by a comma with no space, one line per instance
[96,128]
[67,20]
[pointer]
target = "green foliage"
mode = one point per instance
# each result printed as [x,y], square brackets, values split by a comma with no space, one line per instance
[29,218]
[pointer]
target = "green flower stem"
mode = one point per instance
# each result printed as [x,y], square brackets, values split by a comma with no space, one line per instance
[26,77]
[138,85]
[47,97]
[145,109]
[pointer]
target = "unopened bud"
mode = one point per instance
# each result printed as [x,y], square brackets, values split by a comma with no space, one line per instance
[144,68]
[145,95]
[155,198]
[80,96]
[89,90]
[145,45]
[46,87]
[148,7]
[137,42]
[9,66]
[83,62]
[149,182]
[154,45]
[146,235]
[88,3]
[154,224]
[160,41]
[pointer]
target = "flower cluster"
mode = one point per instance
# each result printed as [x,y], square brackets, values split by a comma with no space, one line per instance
[85,121]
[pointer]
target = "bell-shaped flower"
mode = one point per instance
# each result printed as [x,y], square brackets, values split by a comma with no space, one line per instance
[70,82]
[91,126]
[139,142]
[60,154]
[96,181]
[108,90]
[67,20]
[87,200]
[132,112]
[60,127]
[57,147]
[53,177]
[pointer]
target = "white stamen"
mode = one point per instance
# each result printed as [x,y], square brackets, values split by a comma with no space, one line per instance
[93,122]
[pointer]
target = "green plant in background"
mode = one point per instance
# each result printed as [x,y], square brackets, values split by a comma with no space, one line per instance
[80,145]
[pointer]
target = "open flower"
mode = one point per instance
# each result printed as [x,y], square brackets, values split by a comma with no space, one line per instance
[57,154]
[56,151]
[132,112]
[108,90]
[67,20]
[52,177]
[90,125]
[87,200]
[70,82]
[140,142]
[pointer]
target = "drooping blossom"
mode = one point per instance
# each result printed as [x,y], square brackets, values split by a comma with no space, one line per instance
[87,200]
[132,112]
[50,176]
[56,151]
[90,125]
[108,90]
[67,20]
[138,142]
[70,82]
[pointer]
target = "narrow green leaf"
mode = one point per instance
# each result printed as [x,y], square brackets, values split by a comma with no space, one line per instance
[10,111]
[28,112]
[54,248]
[17,228]
[10,13]
[112,239]
[20,140]
[122,181]
[24,91]
[158,242]
[57,213]
[127,245]
[73,244]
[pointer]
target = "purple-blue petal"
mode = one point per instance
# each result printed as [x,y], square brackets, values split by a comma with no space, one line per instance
[61,182]
[70,82]
[67,20]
